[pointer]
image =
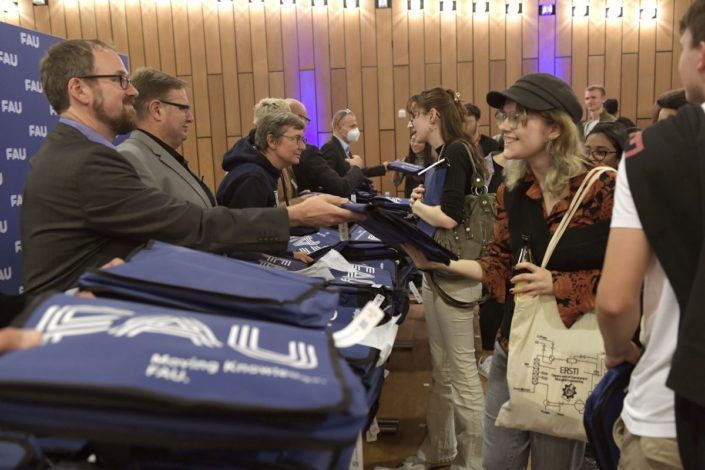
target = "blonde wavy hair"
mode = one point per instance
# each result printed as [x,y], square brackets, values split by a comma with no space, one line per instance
[566,153]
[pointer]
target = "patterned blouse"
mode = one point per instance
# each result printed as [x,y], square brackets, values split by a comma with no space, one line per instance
[574,290]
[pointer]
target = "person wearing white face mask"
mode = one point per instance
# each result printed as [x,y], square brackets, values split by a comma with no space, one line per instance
[337,152]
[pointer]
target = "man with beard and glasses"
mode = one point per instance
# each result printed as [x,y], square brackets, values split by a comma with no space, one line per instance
[84,203]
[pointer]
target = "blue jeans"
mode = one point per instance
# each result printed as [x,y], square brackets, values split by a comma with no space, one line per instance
[508,449]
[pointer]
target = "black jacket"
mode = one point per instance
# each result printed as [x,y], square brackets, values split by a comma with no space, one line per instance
[251,180]
[666,172]
[84,204]
[334,155]
[313,174]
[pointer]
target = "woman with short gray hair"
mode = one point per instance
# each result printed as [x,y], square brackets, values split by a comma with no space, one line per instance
[255,165]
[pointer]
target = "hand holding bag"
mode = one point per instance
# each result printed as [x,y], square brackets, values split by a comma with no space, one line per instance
[471,237]
[552,369]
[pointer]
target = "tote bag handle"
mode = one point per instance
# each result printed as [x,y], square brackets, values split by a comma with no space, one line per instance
[592,176]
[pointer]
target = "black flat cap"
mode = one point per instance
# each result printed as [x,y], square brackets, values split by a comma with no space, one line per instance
[540,92]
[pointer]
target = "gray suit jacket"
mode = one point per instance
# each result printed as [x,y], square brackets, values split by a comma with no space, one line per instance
[84,204]
[158,168]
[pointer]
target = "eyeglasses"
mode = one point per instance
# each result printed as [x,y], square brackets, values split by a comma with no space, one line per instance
[123,80]
[183,107]
[514,118]
[299,139]
[597,154]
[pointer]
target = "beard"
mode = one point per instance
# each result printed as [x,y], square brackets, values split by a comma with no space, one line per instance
[125,122]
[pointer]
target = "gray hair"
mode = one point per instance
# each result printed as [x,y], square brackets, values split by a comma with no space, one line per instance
[339,116]
[268,105]
[276,123]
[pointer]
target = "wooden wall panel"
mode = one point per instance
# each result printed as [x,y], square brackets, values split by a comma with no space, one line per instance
[513,50]
[400,32]
[218,132]
[87,15]
[597,28]
[385,69]
[464,31]
[56,18]
[613,58]
[182,45]
[273,12]
[530,30]
[323,77]
[368,33]
[566,26]
[497,41]
[665,25]
[417,54]
[401,96]
[42,20]
[628,101]
[73,27]
[290,54]
[336,25]
[305,35]
[212,38]
[260,69]
[276,84]
[646,71]
[231,95]
[662,77]
[242,36]
[133,15]
[368,59]
[26,14]
[465,84]
[596,71]
[630,26]
[389,152]
[481,55]
[199,73]
[371,116]
[167,54]
[433,76]
[117,21]
[449,52]
[353,63]
[432,32]
[150,32]
[339,95]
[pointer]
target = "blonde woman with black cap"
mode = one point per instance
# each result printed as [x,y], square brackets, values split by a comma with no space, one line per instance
[538,118]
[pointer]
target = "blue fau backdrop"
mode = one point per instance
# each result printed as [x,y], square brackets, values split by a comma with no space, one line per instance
[25,120]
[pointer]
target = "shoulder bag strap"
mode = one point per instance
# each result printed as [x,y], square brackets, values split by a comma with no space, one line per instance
[478,188]
[592,176]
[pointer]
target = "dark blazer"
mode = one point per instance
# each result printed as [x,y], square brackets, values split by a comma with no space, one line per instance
[84,204]
[313,173]
[156,167]
[335,156]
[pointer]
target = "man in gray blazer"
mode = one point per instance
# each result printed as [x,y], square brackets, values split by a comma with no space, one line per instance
[84,203]
[163,116]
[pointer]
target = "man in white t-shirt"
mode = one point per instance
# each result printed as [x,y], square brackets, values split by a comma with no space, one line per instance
[657,229]
[646,432]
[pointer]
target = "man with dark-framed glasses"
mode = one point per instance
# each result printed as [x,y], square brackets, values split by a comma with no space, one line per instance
[164,115]
[84,203]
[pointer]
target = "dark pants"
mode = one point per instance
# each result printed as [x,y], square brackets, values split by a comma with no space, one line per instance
[690,427]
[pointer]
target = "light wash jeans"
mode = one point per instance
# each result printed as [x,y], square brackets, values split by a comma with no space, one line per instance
[455,407]
[508,449]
